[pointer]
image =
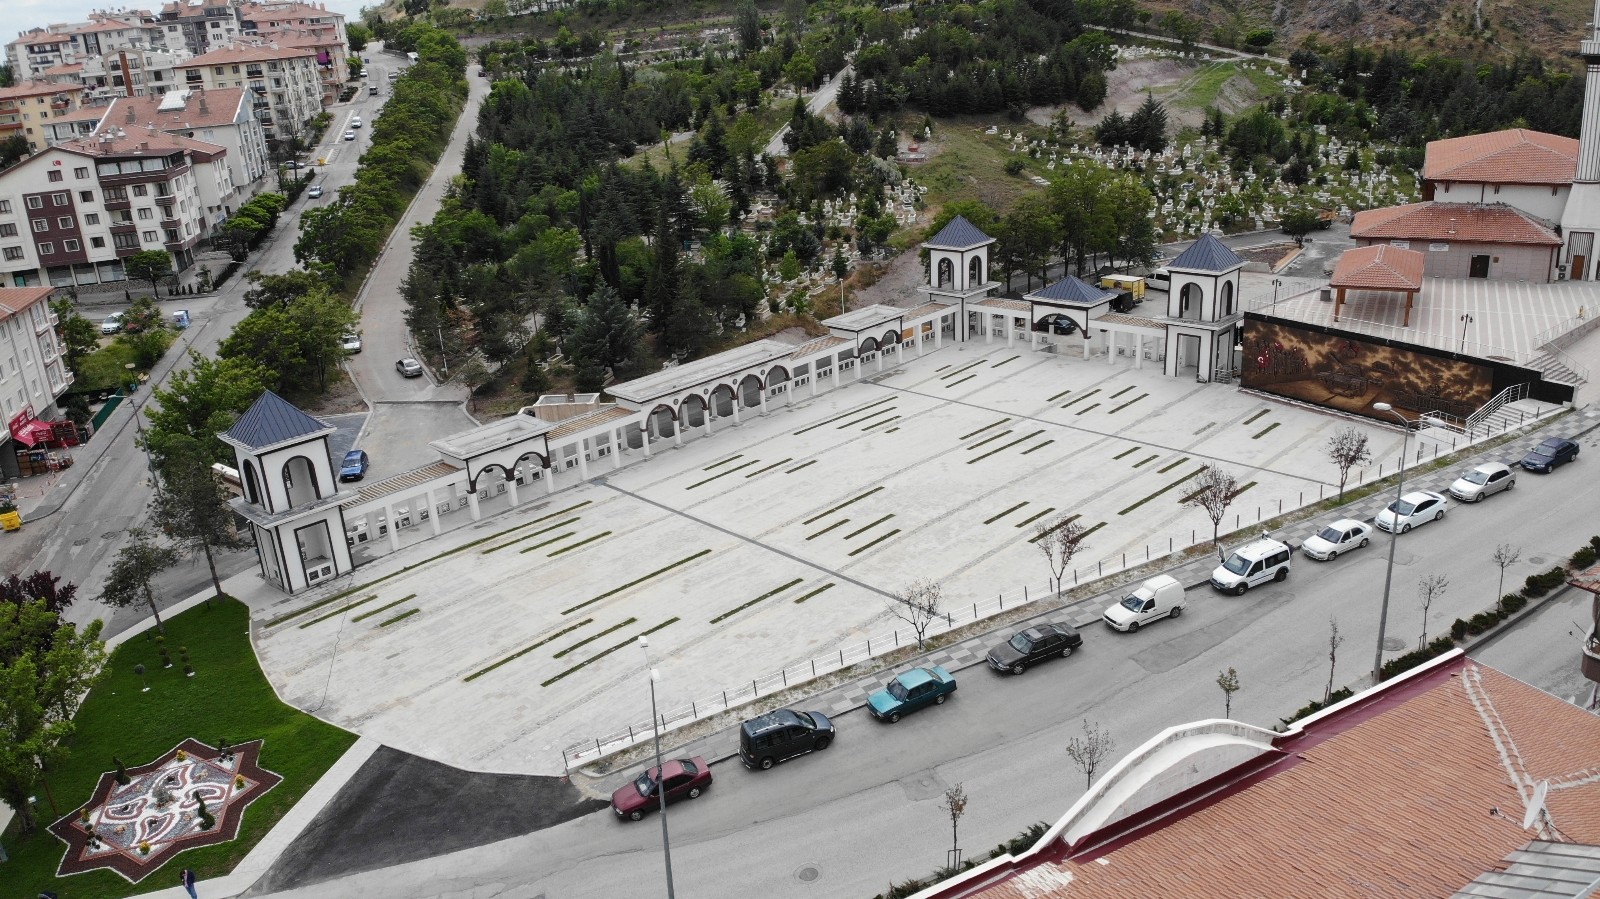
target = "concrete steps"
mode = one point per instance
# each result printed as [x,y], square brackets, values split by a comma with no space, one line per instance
[1554,371]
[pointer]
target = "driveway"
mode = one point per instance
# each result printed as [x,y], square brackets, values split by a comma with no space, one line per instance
[819,101]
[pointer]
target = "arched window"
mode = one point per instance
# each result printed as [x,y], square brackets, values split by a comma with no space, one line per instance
[946,274]
[1227,298]
[975,272]
[252,490]
[1189,302]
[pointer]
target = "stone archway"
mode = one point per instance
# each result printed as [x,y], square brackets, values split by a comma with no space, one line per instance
[662,421]
[693,411]
[945,274]
[722,400]
[749,391]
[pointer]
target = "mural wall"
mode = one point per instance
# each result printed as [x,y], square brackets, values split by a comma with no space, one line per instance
[1344,372]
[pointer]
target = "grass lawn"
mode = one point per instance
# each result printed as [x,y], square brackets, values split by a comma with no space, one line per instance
[106,367]
[227,698]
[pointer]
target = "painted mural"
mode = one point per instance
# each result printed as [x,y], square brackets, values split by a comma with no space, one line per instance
[1349,374]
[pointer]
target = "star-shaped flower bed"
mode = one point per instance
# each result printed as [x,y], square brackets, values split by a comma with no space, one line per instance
[134,829]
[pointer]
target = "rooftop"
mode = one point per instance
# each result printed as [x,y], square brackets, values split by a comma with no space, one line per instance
[492,436]
[272,420]
[960,234]
[37,89]
[865,317]
[1208,254]
[1380,267]
[1539,870]
[1469,222]
[14,300]
[1073,291]
[1514,156]
[138,141]
[678,378]
[178,109]
[816,346]
[246,53]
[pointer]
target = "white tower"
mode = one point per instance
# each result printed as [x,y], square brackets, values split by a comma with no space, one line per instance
[1581,218]
[958,268]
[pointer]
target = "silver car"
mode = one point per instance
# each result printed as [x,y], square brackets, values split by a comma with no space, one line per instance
[410,368]
[1482,482]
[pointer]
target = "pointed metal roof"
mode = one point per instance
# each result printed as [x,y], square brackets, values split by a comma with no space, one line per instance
[1206,255]
[1073,290]
[272,420]
[960,234]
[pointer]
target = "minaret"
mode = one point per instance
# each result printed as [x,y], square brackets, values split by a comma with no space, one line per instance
[1580,220]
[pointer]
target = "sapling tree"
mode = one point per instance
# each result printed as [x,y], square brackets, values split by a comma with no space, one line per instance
[134,569]
[1430,587]
[1214,492]
[1335,640]
[1505,556]
[918,604]
[1060,539]
[1346,449]
[955,805]
[1091,751]
[1229,682]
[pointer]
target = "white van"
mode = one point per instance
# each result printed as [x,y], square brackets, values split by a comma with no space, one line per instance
[1253,564]
[1160,279]
[1158,597]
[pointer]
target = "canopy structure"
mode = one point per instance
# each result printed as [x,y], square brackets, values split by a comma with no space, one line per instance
[1382,268]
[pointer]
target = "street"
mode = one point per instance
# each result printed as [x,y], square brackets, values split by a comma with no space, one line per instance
[865,812]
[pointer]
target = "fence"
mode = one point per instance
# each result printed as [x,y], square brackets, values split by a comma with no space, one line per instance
[106,410]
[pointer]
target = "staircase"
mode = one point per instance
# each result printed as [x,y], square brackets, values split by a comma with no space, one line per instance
[1558,367]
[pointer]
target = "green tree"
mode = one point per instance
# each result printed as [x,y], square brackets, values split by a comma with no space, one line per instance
[298,341]
[789,267]
[1027,237]
[358,35]
[1298,221]
[151,266]
[355,66]
[79,336]
[134,570]
[822,170]
[1182,27]
[1147,126]
[1085,221]
[191,507]
[275,290]
[747,22]
[801,71]
[202,401]
[495,9]
[605,337]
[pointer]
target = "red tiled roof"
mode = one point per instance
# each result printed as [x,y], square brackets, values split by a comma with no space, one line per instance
[139,141]
[1387,800]
[221,107]
[1515,156]
[37,89]
[1380,267]
[14,300]
[244,53]
[1466,222]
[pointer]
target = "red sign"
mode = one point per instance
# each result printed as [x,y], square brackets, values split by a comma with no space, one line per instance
[20,422]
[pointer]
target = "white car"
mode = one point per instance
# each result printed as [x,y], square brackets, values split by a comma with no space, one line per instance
[1339,537]
[1482,482]
[1411,510]
[352,343]
[111,324]
[355,122]
[349,135]
[314,191]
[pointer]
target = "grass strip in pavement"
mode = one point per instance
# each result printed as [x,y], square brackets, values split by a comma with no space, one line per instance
[1257,415]
[767,595]
[1093,527]
[769,467]
[274,622]
[1058,396]
[1004,447]
[1005,513]
[963,380]
[1127,452]
[1058,526]
[590,639]
[1172,486]
[800,466]
[1039,447]
[543,543]
[805,596]
[940,368]
[868,527]
[1231,497]
[1166,468]
[1081,397]
[1146,460]
[527,649]
[1004,361]
[868,417]
[859,551]
[532,534]
[984,428]
[584,542]
[891,430]
[950,374]
[1264,432]
[607,651]
[637,581]
[1089,408]
[840,523]
[724,461]
[989,439]
[400,617]
[340,611]
[724,473]
[1034,517]
[1127,404]
[847,502]
[879,424]
[856,411]
[1120,392]
[383,608]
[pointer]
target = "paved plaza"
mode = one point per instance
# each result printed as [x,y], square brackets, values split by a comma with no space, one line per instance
[775,542]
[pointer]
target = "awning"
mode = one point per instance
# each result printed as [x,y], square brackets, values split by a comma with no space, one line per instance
[34,432]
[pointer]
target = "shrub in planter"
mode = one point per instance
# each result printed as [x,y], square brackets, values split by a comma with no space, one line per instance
[1458,628]
[1441,645]
[1480,622]
[1584,557]
[1512,603]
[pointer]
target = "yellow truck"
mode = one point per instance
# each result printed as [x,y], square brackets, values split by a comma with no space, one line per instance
[1131,284]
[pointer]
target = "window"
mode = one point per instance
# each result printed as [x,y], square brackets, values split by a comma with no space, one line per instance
[8,230]
[47,248]
[124,241]
[81,172]
[41,225]
[139,190]
[36,202]
[144,215]
[86,196]
[149,236]
[64,223]
[70,246]
[5,206]
[12,254]
[59,199]
[91,218]
[98,243]
[116,193]
[55,175]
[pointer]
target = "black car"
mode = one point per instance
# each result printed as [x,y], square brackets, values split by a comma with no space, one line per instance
[1549,455]
[783,734]
[1035,644]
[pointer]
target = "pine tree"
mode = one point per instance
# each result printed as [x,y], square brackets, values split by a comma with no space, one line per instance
[1147,126]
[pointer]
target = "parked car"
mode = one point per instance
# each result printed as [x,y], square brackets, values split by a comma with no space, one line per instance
[181,320]
[351,343]
[1482,482]
[410,368]
[1340,537]
[781,735]
[1415,508]
[680,778]
[1036,644]
[354,466]
[314,191]
[349,135]
[1157,598]
[1549,455]
[1160,279]
[1253,564]
[911,690]
[111,324]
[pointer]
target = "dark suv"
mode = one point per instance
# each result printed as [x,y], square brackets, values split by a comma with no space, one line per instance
[778,736]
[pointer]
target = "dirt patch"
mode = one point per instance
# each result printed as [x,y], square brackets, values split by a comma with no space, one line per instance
[1125,90]
[341,397]
[896,283]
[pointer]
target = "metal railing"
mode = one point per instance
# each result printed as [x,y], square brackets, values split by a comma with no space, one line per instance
[1560,357]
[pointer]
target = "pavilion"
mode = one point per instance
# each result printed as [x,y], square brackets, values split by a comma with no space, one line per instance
[1378,268]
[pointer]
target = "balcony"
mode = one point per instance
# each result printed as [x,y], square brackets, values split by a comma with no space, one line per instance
[1591,656]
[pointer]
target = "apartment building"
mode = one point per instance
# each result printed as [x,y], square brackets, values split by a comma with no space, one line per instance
[302,25]
[33,373]
[284,83]
[36,52]
[223,117]
[71,213]
[199,26]
[27,109]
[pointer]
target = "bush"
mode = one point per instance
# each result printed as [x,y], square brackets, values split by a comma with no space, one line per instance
[1438,647]
[1512,602]
[1315,705]
[1584,557]
[1458,629]
[1538,585]
[1014,166]
[1024,841]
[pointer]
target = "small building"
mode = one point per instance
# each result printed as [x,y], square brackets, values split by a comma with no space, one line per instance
[1466,240]
[1203,309]
[1530,170]
[1382,268]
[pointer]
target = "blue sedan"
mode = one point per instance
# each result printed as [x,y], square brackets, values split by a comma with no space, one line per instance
[911,690]
[354,467]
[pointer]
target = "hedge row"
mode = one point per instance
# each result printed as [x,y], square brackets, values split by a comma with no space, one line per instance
[1015,846]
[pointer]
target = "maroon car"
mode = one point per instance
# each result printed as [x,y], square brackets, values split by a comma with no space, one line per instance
[685,779]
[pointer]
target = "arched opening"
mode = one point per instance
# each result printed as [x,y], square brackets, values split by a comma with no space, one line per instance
[946,274]
[777,376]
[890,339]
[300,481]
[1227,298]
[1189,301]
[503,471]
[663,422]
[749,391]
[869,345]
[974,272]
[692,411]
[252,489]
[1056,323]
[537,469]
[722,400]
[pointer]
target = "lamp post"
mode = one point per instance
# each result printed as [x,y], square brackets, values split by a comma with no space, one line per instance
[1466,319]
[138,424]
[666,845]
[1394,537]
[1276,283]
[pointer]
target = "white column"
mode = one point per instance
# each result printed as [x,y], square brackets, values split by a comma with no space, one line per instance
[705,420]
[1086,342]
[616,449]
[1138,351]
[1111,347]
[762,395]
[938,333]
[1011,331]
[394,532]
[919,341]
[987,323]
[550,478]
[813,379]
[677,436]
[433,514]
[834,372]
[511,485]
[644,432]
[881,351]
[737,402]
[583,451]
[472,505]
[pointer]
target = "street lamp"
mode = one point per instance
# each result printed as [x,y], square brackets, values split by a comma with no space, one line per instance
[1276,283]
[1466,319]
[666,845]
[1394,537]
[138,424]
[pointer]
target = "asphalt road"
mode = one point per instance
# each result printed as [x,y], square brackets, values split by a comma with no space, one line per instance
[848,821]
[817,102]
